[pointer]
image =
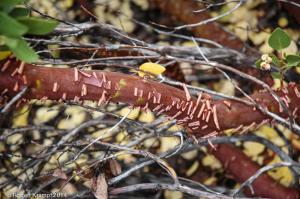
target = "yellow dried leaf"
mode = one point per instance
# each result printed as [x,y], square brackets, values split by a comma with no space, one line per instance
[192,169]
[76,116]
[66,4]
[4,54]
[260,160]
[277,84]
[267,132]
[190,154]
[151,142]
[175,128]
[282,174]
[132,115]
[188,43]
[168,143]
[151,68]
[146,116]
[226,87]
[127,158]
[253,148]
[83,158]
[21,117]
[173,194]
[210,181]
[241,30]
[286,132]
[16,158]
[45,114]
[259,38]
[211,161]
[278,141]
[98,133]
[120,137]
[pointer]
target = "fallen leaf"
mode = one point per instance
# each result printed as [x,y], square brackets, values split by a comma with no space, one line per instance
[173,194]
[99,187]
[190,154]
[132,115]
[115,167]
[146,116]
[253,148]
[151,68]
[21,117]
[59,173]
[44,114]
[168,143]
[211,161]
[68,188]
[192,169]
[282,174]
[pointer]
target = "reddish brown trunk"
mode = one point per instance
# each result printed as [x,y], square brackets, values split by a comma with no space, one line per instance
[241,168]
[217,115]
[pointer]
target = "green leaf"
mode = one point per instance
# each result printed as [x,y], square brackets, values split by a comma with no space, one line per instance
[4,48]
[10,27]
[4,3]
[22,51]
[275,60]
[19,12]
[2,42]
[276,75]
[38,26]
[11,41]
[292,60]
[279,39]
[258,62]
[8,5]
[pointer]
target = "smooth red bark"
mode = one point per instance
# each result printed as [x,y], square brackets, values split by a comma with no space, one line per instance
[241,168]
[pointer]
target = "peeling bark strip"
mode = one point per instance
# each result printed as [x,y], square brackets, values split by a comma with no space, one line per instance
[241,167]
[101,86]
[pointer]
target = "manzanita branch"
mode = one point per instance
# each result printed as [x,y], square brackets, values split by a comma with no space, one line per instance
[241,167]
[202,116]
[184,11]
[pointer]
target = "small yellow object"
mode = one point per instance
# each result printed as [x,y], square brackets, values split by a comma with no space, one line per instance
[283,22]
[152,68]
[4,54]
